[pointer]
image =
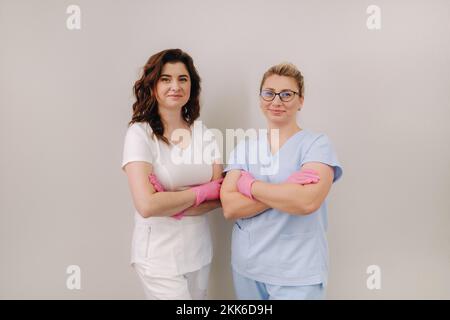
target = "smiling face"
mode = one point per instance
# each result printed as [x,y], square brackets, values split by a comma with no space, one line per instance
[174,86]
[278,112]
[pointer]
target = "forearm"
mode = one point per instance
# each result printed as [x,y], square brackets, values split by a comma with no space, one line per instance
[236,206]
[203,208]
[163,204]
[286,197]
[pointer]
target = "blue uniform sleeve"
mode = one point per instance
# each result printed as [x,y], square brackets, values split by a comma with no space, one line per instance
[238,158]
[321,150]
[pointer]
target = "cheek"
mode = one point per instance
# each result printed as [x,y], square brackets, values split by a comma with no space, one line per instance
[187,90]
[264,104]
[160,90]
[293,106]
[292,109]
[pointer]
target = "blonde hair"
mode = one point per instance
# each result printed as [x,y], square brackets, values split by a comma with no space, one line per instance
[286,69]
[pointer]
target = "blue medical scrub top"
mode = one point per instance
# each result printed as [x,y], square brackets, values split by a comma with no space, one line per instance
[276,247]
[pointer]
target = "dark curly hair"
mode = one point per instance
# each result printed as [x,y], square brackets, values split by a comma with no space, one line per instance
[145,109]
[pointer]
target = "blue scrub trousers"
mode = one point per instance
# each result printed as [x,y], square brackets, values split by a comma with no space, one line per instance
[249,289]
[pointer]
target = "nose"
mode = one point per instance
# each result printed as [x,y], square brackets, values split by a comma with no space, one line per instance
[277,101]
[175,86]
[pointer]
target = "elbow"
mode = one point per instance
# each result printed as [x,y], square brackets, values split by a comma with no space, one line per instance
[228,214]
[303,208]
[309,207]
[228,211]
[147,205]
[146,211]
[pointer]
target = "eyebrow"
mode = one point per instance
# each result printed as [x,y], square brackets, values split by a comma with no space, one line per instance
[280,91]
[168,75]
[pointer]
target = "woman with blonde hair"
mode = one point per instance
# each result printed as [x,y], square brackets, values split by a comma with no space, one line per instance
[279,245]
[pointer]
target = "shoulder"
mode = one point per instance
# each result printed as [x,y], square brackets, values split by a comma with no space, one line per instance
[313,138]
[311,135]
[139,133]
[140,129]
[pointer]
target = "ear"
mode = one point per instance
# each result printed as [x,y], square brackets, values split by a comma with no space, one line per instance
[302,99]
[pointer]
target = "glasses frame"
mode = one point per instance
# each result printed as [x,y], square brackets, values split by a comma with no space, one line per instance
[278,94]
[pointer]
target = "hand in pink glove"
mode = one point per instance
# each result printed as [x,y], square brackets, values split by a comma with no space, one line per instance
[304,176]
[155,182]
[159,188]
[207,191]
[244,184]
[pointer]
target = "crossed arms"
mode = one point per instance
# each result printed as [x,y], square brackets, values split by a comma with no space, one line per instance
[292,198]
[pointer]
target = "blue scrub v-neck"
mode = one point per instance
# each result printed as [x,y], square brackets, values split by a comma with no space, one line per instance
[269,147]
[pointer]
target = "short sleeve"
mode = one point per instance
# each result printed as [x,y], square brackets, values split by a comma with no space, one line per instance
[321,150]
[137,145]
[237,158]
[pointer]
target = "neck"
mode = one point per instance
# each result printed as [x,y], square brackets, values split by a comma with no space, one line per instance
[285,130]
[171,119]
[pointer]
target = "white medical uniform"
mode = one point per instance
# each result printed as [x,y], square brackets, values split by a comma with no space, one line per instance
[171,255]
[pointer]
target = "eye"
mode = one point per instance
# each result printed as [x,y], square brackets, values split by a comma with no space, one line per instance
[286,94]
[267,94]
[164,79]
[184,79]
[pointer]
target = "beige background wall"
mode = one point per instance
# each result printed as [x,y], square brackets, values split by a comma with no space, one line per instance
[381,95]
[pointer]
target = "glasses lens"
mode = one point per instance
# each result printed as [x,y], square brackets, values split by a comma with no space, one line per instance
[286,95]
[267,95]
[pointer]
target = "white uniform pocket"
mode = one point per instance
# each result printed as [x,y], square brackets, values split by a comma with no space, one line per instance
[141,247]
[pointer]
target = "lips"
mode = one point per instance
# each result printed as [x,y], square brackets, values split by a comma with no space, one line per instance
[276,111]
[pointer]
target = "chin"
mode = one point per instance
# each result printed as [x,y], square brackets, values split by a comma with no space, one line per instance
[278,119]
[176,105]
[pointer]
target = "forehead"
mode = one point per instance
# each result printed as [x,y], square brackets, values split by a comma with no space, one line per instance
[277,82]
[175,69]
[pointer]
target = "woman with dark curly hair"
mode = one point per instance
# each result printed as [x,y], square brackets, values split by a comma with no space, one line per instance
[173,180]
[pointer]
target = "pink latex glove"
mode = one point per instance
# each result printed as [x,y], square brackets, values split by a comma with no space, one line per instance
[244,184]
[155,182]
[179,215]
[207,191]
[159,188]
[304,176]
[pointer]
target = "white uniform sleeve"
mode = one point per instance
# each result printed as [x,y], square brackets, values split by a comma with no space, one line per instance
[137,146]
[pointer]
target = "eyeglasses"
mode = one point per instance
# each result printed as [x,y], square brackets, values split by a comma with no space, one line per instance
[285,95]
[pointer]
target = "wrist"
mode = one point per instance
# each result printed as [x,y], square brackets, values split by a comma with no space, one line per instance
[254,187]
[192,196]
